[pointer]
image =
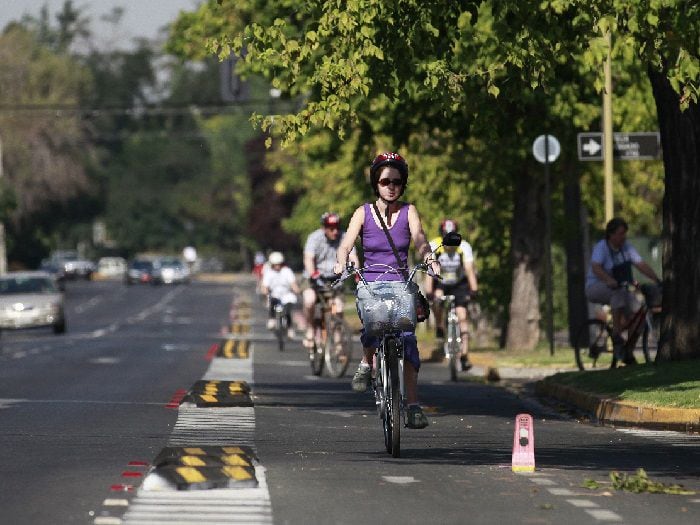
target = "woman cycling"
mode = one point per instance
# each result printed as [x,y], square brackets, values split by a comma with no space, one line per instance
[388,178]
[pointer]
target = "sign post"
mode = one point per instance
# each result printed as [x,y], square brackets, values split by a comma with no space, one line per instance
[546,149]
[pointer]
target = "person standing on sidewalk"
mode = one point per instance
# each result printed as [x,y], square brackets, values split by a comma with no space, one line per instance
[388,178]
[609,272]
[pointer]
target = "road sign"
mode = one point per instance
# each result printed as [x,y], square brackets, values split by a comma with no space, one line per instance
[644,145]
[552,146]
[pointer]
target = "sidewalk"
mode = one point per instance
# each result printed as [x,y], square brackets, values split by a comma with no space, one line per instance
[604,410]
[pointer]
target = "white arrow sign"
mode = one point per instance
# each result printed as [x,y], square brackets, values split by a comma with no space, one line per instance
[591,147]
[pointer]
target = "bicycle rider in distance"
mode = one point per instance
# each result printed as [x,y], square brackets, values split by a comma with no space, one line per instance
[388,179]
[458,279]
[319,258]
[609,272]
[280,286]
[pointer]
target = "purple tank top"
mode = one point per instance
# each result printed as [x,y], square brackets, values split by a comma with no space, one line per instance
[377,249]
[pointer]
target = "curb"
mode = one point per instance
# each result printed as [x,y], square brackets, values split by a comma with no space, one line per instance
[609,411]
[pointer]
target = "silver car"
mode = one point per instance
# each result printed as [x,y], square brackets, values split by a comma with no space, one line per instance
[31,299]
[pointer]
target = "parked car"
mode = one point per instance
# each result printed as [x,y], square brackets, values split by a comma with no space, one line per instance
[139,271]
[170,270]
[31,299]
[111,267]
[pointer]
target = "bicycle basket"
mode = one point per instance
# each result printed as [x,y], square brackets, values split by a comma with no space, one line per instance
[387,306]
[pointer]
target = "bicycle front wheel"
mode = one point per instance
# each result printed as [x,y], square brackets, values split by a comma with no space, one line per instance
[593,346]
[316,351]
[452,344]
[280,331]
[392,398]
[338,346]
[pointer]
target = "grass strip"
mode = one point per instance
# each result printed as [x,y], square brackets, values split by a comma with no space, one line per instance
[674,384]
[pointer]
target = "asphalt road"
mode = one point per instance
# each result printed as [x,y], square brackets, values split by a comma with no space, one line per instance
[76,409]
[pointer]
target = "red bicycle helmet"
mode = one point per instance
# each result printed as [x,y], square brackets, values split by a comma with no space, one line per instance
[447,226]
[388,159]
[329,219]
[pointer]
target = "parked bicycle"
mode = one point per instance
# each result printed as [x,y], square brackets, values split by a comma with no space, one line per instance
[388,308]
[593,343]
[332,342]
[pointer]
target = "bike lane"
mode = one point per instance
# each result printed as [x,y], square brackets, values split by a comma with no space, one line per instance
[323,449]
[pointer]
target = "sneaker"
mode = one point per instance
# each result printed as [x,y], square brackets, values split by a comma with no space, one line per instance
[271,324]
[466,364]
[361,379]
[439,332]
[290,333]
[416,417]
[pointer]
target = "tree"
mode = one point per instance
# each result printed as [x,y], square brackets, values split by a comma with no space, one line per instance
[44,156]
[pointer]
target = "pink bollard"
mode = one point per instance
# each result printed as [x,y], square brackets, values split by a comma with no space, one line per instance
[523,459]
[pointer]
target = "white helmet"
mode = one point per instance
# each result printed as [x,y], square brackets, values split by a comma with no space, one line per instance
[276,258]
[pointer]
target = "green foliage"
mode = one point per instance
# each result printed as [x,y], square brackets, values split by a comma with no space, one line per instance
[640,482]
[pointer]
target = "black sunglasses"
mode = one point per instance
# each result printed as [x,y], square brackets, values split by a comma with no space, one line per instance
[386,182]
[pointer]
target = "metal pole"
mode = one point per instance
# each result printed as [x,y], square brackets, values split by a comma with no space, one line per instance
[608,134]
[3,251]
[548,247]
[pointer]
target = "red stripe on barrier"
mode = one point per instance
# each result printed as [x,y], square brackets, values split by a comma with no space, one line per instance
[131,474]
[138,463]
[177,397]
[212,350]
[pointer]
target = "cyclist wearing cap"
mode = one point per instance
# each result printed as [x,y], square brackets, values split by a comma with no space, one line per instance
[319,257]
[388,178]
[280,286]
[458,279]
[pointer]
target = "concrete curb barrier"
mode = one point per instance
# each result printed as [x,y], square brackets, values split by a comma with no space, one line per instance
[615,412]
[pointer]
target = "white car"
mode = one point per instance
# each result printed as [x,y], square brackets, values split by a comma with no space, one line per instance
[31,299]
[111,267]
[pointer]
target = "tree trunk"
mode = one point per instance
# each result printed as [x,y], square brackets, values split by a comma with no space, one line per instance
[680,140]
[528,253]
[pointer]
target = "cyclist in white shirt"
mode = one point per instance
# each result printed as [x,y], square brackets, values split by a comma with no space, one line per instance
[280,286]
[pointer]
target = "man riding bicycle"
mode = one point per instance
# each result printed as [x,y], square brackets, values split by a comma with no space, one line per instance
[458,279]
[319,257]
[609,272]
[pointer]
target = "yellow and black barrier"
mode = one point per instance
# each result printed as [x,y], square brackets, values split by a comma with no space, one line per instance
[207,467]
[219,394]
[234,349]
[240,329]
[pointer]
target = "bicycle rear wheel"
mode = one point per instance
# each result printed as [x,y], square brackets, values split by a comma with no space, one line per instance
[593,346]
[651,336]
[316,352]
[338,352]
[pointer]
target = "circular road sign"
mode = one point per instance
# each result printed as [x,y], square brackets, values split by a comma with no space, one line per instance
[553,148]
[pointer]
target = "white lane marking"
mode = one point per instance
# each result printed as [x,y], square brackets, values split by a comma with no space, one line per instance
[561,492]
[8,403]
[87,305]
[542,481]
[107,520]
[292,363]
[105,360]
[604,515]
[400,480]
[582,503]
[668,437]
[174,347]
[115,502]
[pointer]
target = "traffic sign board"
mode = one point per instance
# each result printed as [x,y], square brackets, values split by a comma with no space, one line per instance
[644,145]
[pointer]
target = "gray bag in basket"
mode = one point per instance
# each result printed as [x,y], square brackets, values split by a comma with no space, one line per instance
[387,306]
